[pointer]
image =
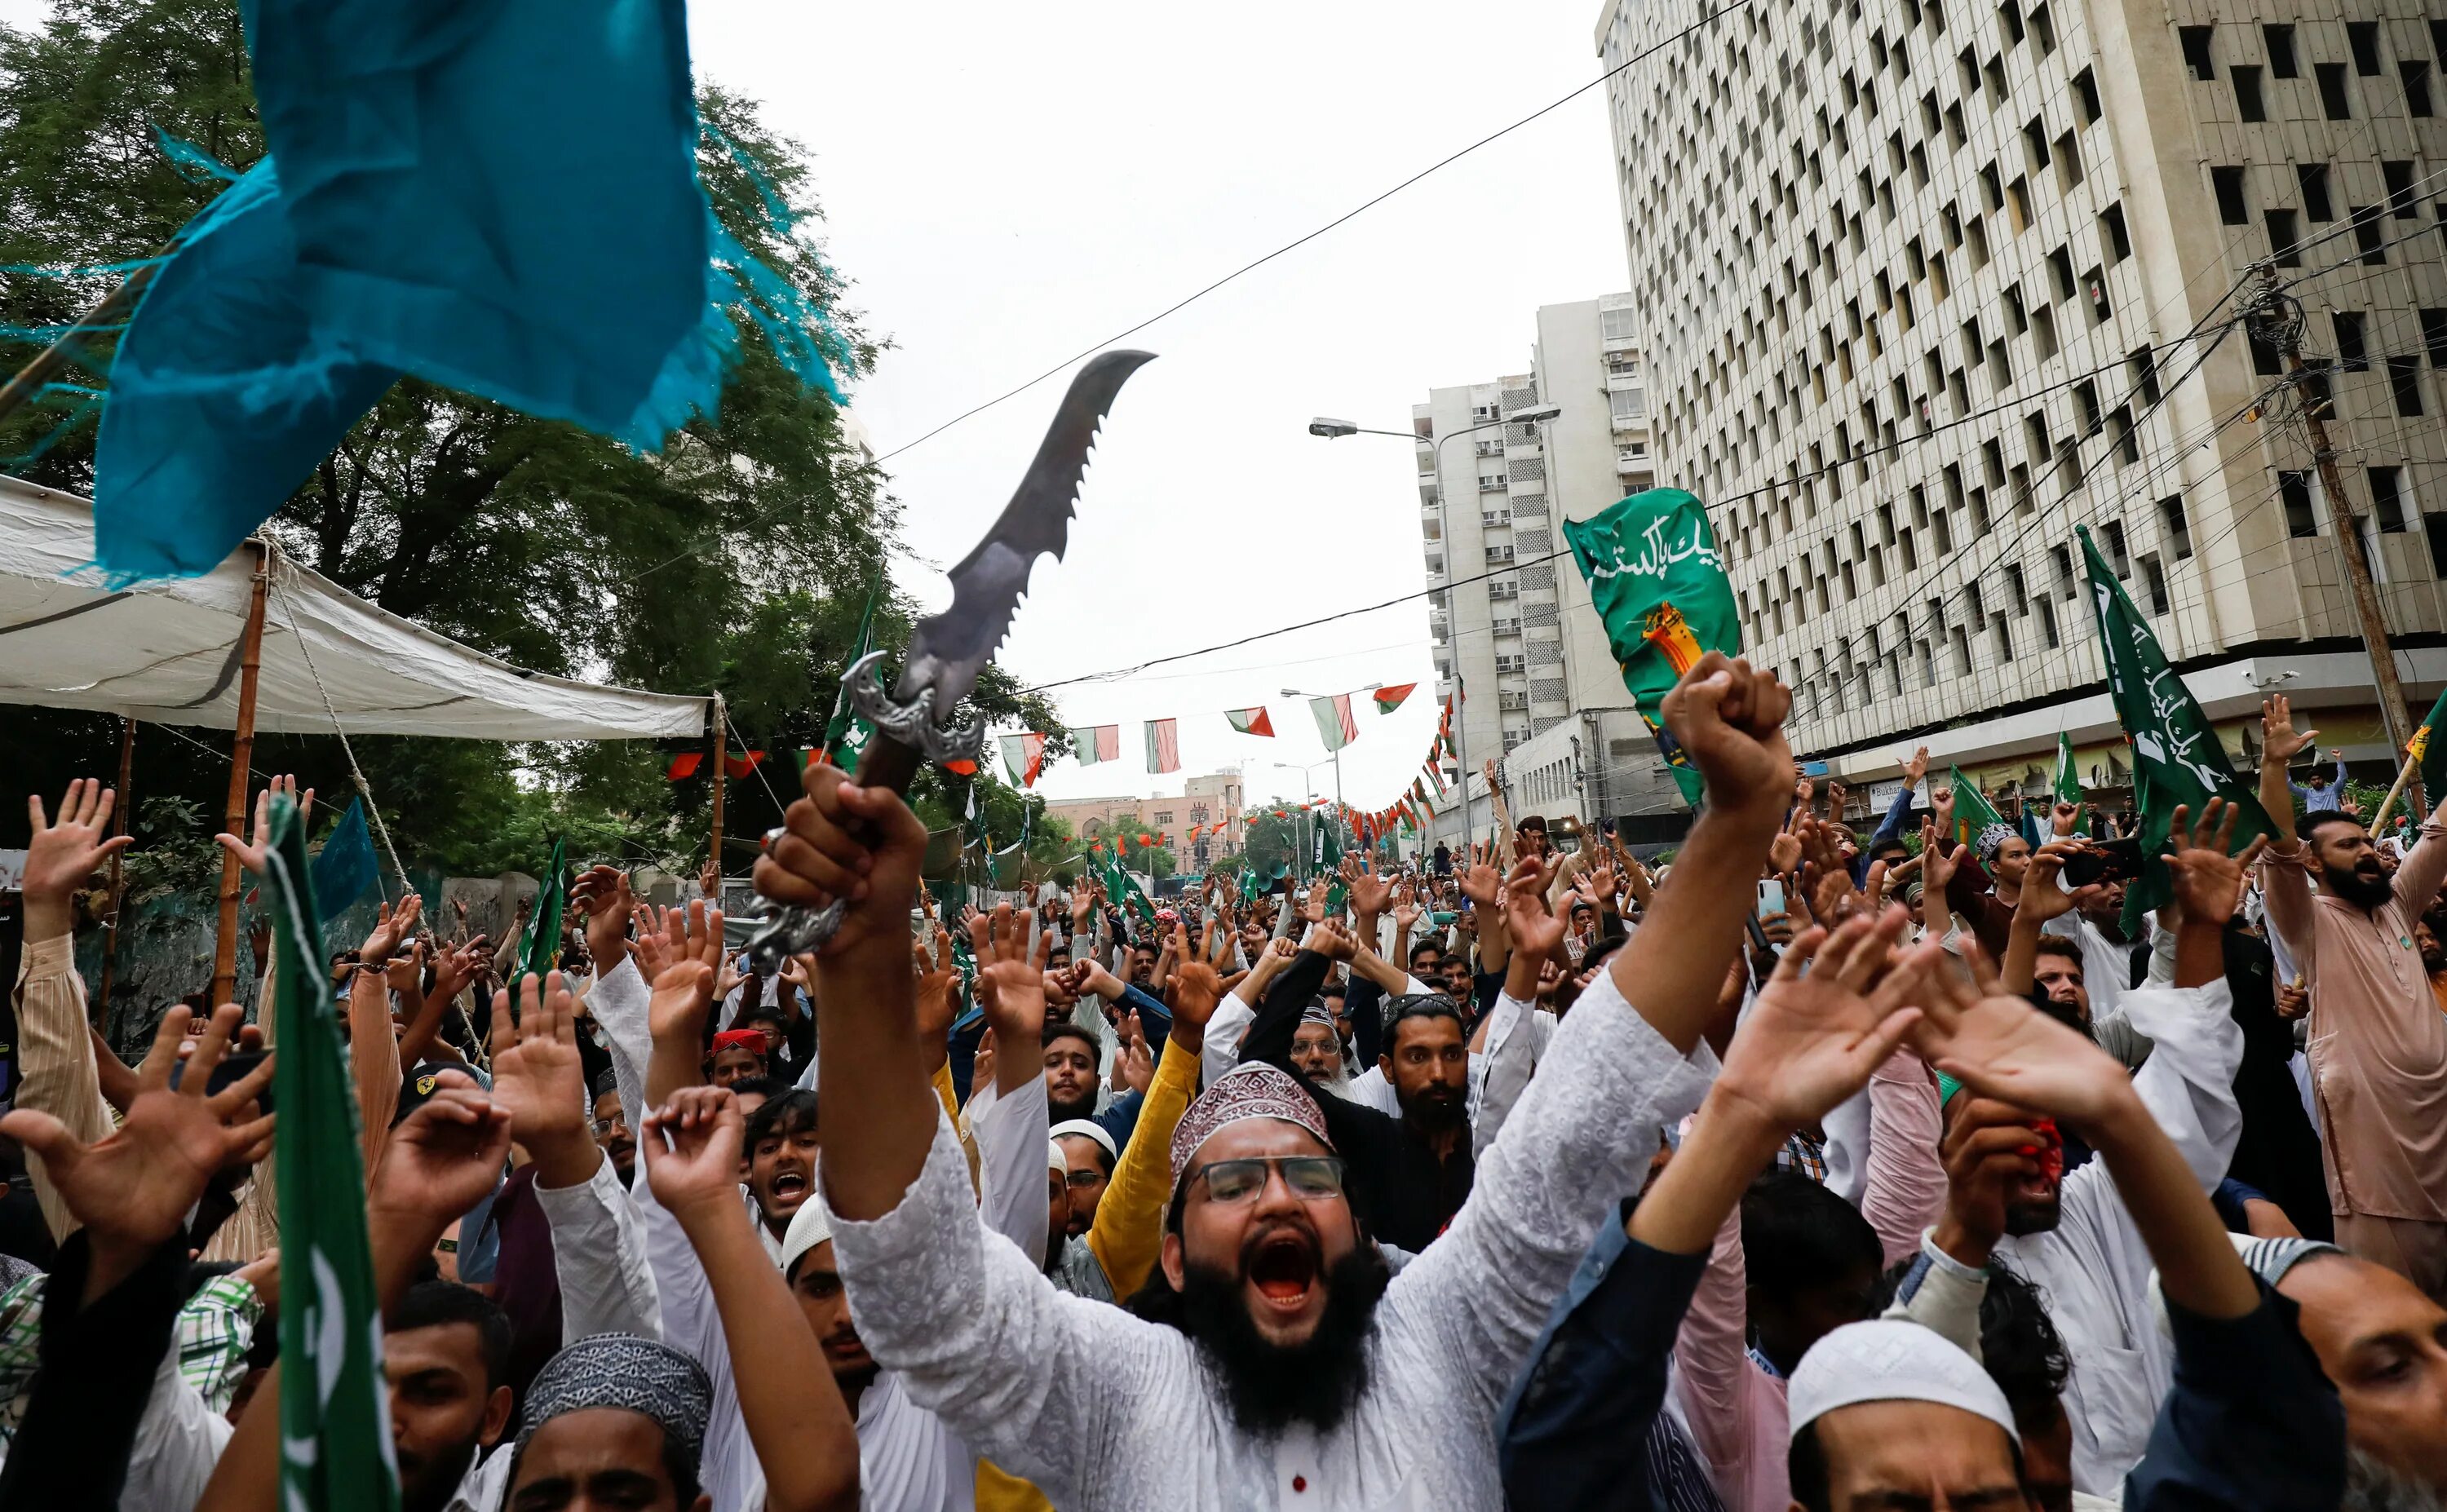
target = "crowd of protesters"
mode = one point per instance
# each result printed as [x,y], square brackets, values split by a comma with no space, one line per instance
[1805,1171]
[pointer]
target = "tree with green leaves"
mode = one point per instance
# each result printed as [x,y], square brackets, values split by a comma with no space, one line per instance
[738,559]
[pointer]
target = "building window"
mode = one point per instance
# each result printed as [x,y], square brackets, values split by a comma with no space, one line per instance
[2247,93]
[2119,241]
[2400,190]
[2388,498]
[2294,489]
[2332,91]
[2195,41]
[2285,239]
[2085,93]
[2117,557]
[2362,36]
[2280,42]
[2417,87]
[2434,528]
[2434,335]
[1619,325]
[1163,816]
[2153,580]
[2226,183]
[2171,525]
[2368,239]
[2312,179]
[2352,354]
[2405,377]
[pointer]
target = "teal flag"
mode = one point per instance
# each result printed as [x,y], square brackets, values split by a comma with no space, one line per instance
[2176,758]
[345,866]
[1658,584]
[335,1447]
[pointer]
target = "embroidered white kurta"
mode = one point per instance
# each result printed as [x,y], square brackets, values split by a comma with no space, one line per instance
[1072,1395]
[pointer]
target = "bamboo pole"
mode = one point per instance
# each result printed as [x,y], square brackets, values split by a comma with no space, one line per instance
[721,746]
[114,306]
[121,814]
[2412,764]
[241,763]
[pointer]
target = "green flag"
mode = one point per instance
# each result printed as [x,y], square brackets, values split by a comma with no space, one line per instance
[2068,783]
[1972,810]
[2432,758]
[1658,582]
[335,1447]
[2176,758]
[846,732]
[541,952]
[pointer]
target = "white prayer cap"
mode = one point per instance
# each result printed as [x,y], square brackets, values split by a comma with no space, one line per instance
[1892,1361]
[809,1226]
[1088,1129]
[1054,1158]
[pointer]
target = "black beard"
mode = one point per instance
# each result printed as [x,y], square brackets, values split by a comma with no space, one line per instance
[1269,1387]
[1435,1115]
[2362,892]
[432,1491]
[1065,1112]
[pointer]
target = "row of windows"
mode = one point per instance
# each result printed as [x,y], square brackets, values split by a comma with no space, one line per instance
[2281,57]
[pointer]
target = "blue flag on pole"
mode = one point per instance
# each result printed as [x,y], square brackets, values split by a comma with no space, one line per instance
[345,866]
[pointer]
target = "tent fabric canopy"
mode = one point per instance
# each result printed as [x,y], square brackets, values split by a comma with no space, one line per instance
[167,653]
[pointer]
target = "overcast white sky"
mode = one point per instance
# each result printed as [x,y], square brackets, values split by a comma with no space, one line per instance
[1005,185]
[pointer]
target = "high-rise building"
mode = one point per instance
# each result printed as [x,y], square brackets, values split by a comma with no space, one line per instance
[1925,284]
[1514,623]
[1209,800]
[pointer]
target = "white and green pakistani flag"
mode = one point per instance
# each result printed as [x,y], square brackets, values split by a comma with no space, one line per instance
[335,1449]
[2068,783]
[2176,758]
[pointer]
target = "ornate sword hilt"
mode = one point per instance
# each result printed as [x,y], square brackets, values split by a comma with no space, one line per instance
[905,734]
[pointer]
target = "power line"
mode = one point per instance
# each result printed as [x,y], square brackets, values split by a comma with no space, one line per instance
[1350,214]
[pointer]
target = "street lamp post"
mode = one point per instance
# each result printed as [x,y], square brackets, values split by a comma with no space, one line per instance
[1307,818]
[1331,429]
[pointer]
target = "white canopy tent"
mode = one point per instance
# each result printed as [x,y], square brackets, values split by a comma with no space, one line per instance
[169,653]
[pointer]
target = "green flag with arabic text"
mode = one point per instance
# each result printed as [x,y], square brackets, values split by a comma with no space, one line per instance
[1658,584]
[2176,758]
[335,1445]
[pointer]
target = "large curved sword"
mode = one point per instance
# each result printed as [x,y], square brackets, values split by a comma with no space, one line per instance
[947,652]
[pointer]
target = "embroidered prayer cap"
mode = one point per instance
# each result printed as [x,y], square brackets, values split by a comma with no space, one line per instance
[809,1226]
[1993,839]
[1318,1013]
[1087,1129]
[1251,1089]
[633,1374]
[1892,1361]
[605,1084]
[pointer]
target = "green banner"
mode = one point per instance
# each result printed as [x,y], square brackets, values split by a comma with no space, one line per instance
[2429,751]
[2176,758]
[846,732]
[335,1447]
[1972,810]
[2068,783]
[1658,584]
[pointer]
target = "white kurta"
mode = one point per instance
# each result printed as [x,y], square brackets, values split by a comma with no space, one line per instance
[1071,1393]
[2093,1267]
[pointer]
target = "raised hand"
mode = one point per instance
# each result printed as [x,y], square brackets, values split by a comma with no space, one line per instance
[538,1080]
[1331,941]
[64,853]
[860,845]
[1784,852]
[405,973]
[1372,893]
[602,894]
[1997,1045]
[250,853]
[938,989]
[692,1149]
[1941,807]
[2043,897]
[1197,992]
[680,964]
[1937,859]
[442,1158]
[1916,768]
[456,966]
[1536,932]
[1010,979]
[1730,721]
[1314,909]
[1481,878]
[1135,1064]
[2064,821]
[392,926]
[134,1187]
[1811,1041]
[2280,742]
[2208,881]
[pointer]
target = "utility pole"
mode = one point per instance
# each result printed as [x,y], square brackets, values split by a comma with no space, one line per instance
[2281,321]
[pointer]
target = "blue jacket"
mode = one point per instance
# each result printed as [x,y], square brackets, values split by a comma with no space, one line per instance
[2252,1424]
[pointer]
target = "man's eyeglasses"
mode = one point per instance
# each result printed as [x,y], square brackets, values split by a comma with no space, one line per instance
[1090,1177]
[1311,1178]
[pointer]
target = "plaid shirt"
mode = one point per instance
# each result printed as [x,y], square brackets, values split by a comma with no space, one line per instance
[212,1334]
[1804,1154]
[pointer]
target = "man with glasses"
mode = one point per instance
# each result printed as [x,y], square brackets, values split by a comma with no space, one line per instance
[1274,1364]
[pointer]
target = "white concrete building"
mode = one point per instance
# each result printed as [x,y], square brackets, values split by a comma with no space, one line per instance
[1925,284]
[1516,624]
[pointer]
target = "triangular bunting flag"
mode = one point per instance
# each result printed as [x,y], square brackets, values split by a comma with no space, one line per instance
[1251,721]
[1390,699]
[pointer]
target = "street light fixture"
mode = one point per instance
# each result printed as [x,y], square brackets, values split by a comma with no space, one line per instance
[1333,429]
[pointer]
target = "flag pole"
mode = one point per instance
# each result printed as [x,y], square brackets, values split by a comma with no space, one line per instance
[119,823]
[241,761]
[721,724]
[2412,763]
